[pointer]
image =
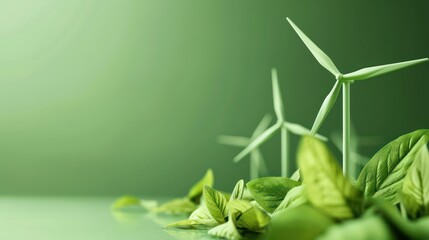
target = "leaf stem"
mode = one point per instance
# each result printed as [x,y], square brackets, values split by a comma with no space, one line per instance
[285,150]
[346,127]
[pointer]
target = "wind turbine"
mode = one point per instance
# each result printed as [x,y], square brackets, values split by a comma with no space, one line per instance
[281,125]
[356,141]
[344,80]
[257,163]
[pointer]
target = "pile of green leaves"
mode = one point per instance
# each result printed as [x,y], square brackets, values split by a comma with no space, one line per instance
[390,199]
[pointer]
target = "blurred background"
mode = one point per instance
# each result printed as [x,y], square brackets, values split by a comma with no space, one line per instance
[112,97]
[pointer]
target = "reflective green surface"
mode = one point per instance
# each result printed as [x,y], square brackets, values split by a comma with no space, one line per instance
[81,218]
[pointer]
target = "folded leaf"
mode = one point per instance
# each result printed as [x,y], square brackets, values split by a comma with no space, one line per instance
[327,104]
[415,190]
[267,134]
[301,223]
[370,72]
[296,176]
[325,185]
[125,201]
[203,216]
[270,191]
[226,230]
[320,56]
[278,102]
[237,193]
[216,204]
[197,190]
[294,198]
[384,174]
[177,206]
[184,224]
[249,217]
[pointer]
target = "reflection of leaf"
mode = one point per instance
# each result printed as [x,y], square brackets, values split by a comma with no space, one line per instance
[216,204]
[325,185]
[177,206]
[384,174]
[249,217]
[189,234]
[301,223]
[270,191]
[125,201]
[295,197]
[415,190]
[197,190]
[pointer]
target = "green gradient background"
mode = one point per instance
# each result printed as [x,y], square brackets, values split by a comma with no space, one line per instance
[111,97]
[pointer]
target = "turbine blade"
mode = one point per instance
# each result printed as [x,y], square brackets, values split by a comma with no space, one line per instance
[326,107]
[263,124]
[300,130]
[263,170]
[337,140]
[258,141]
[320,56]
[278,103]
[370,72]
[233,140]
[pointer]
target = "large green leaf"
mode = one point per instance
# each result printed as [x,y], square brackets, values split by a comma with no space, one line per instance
[325,185]
[320,56]
[370,72]
[301,223]
[295,197]
[384,174]
[216,204]
[270,191]
[197,190]
[327,104]
[415,190]
[367,228]
[249,217]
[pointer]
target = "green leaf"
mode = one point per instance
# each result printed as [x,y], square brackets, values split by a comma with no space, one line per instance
[300,130]
[296,176]
[320,56]
[184,224]
[326,107]
[267,134]
[249,217]
[370,227]
[226,230]
[197,190]
[125,201]
[216,204]
[301,223]
[177,206]
[237,193]
[325,185]
[278,103]
[384,174]
[294,198]
[270,191]
[370,72]
[415,190]
[203,216]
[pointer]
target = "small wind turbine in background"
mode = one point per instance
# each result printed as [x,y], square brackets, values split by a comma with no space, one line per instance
[345,80]
[257,164]
[281,125]
[356,141]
